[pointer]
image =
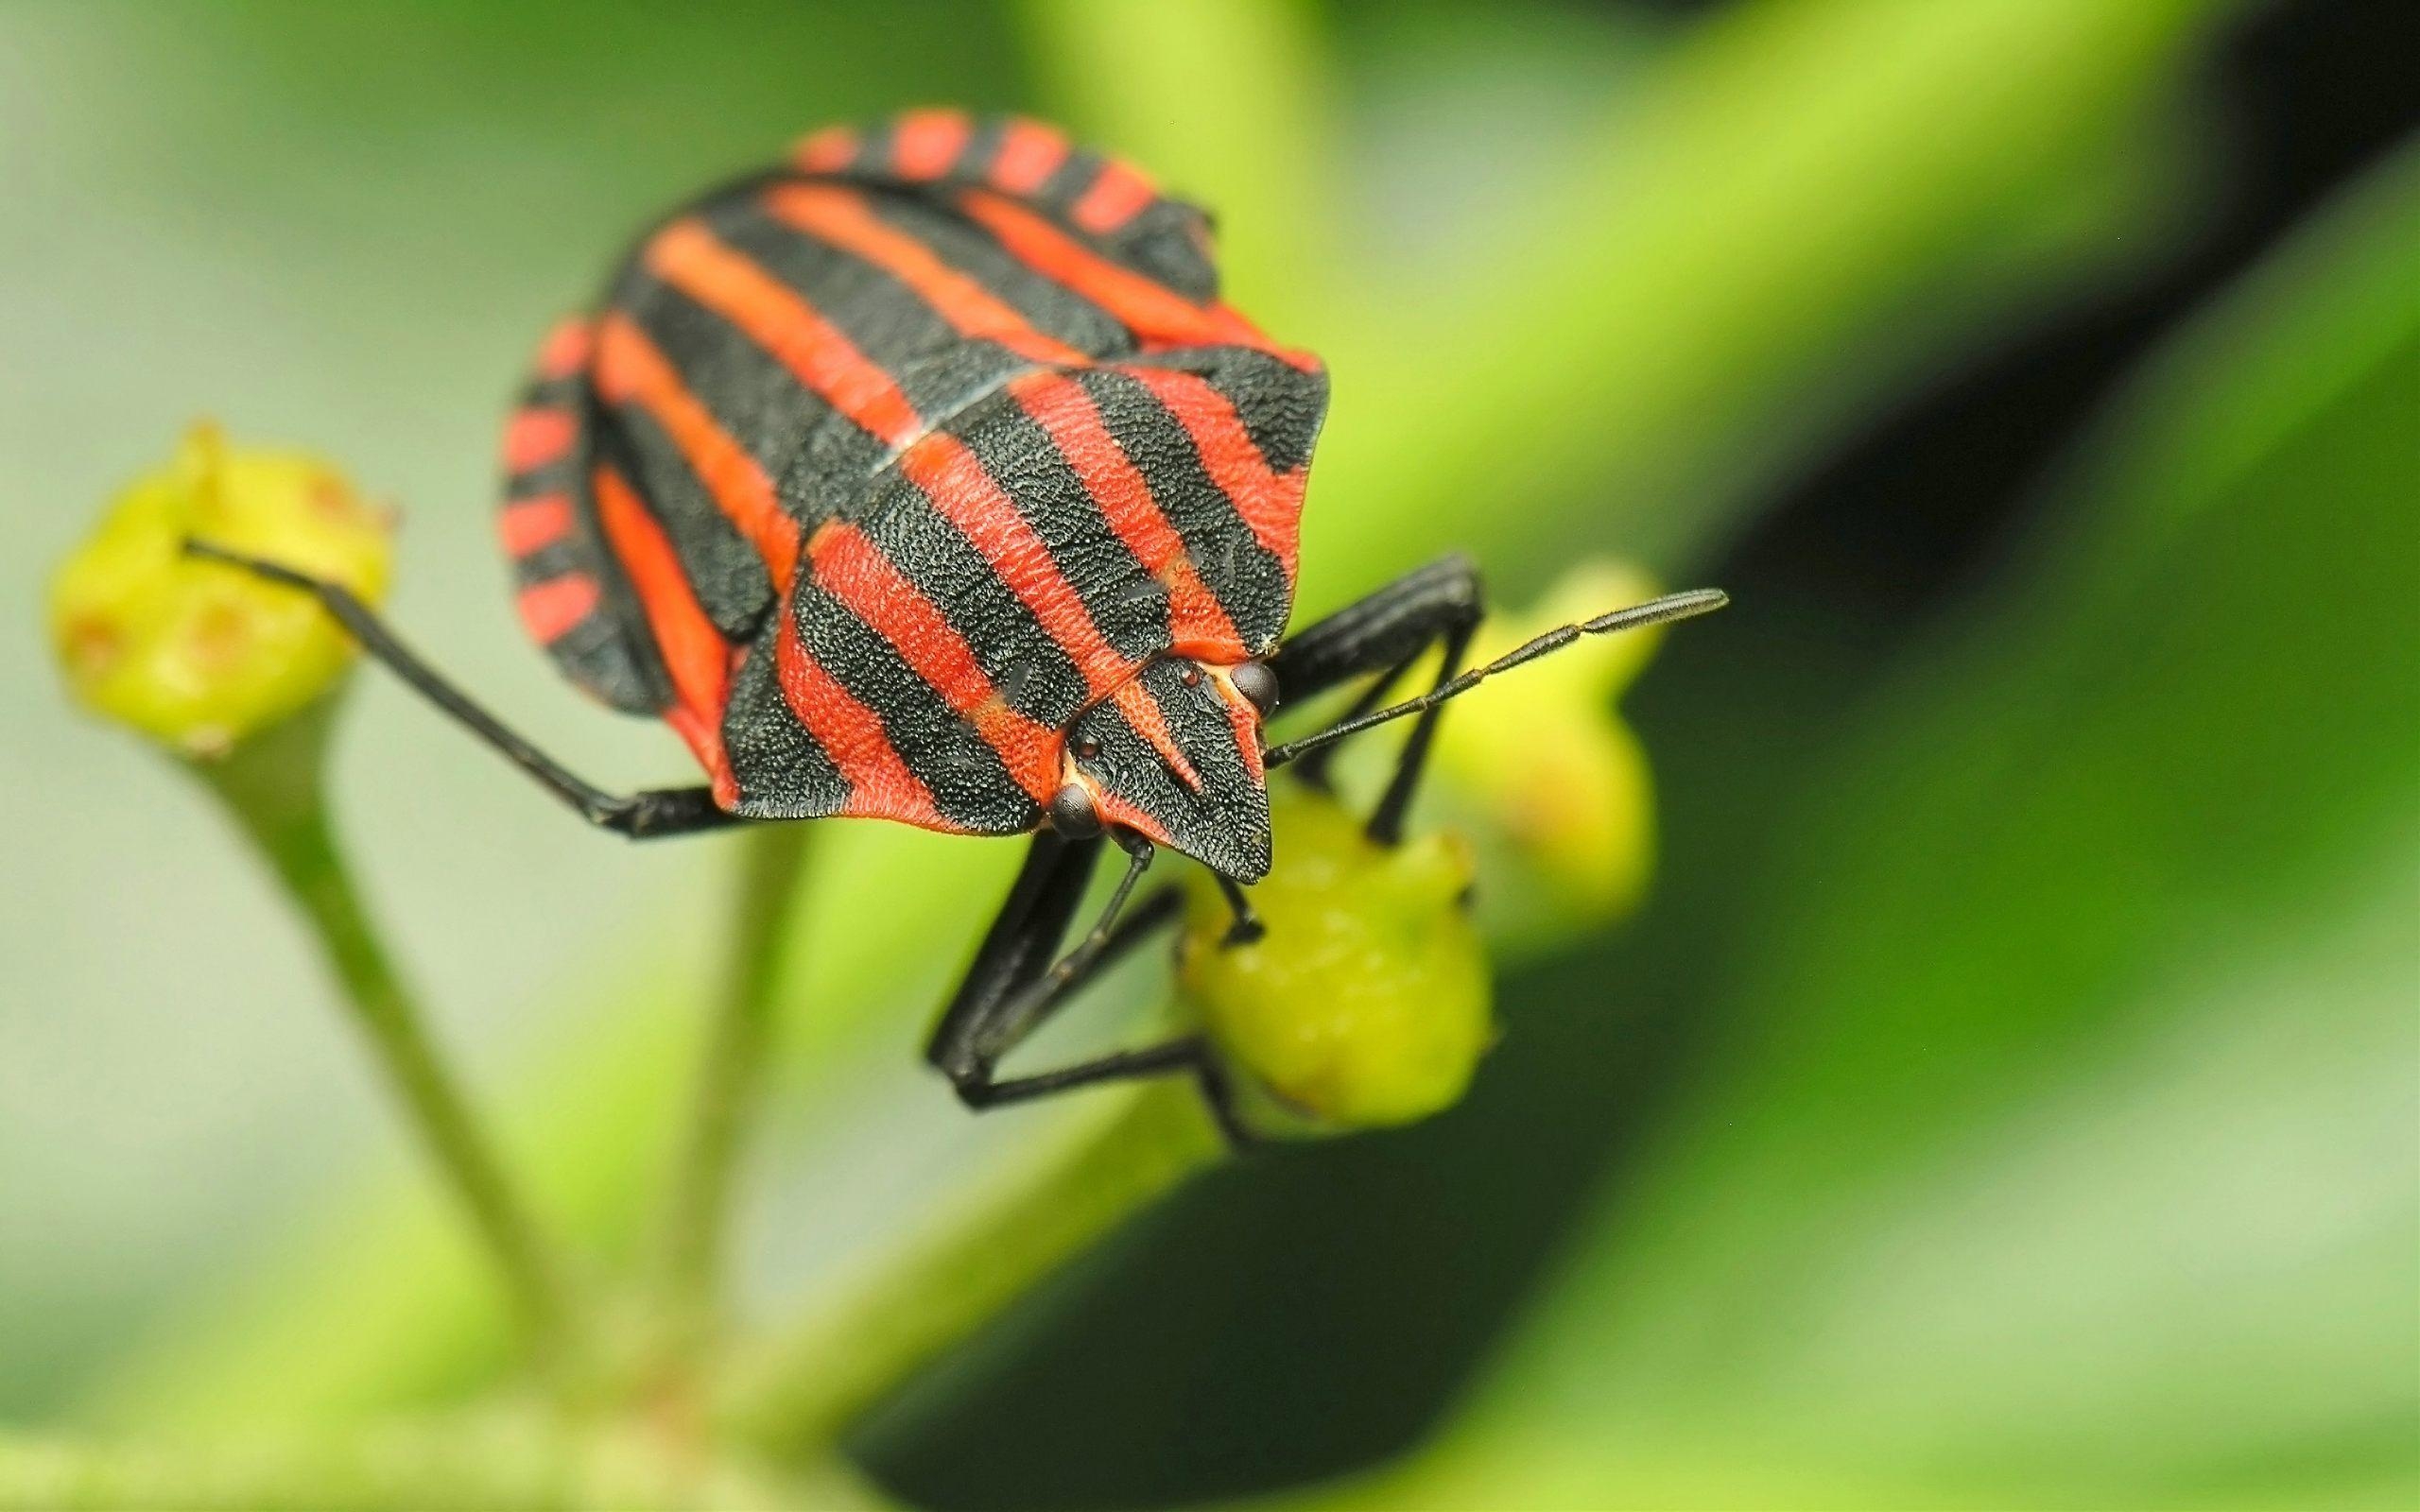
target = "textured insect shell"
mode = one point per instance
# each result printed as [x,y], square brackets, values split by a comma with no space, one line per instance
[868,478]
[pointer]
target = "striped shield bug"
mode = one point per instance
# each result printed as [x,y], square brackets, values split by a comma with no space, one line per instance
[926,476]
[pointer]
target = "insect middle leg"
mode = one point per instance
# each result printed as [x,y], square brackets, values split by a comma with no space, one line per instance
[1013,986]
[641,816]
[1387,633]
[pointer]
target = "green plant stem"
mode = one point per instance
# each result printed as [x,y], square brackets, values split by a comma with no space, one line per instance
[697,1215]
[502,1461]
[1011,1232]
[272,786]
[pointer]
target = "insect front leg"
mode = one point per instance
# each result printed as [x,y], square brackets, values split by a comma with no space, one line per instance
[640,816]
[1385,633]
[1013,986]
[1442,602]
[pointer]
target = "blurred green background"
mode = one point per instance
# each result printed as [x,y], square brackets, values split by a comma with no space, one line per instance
[2011,1095]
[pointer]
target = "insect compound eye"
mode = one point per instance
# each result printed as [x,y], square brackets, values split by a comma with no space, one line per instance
[1256,681]
[1073,813]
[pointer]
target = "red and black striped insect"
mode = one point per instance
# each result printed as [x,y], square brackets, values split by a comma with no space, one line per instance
[926,476]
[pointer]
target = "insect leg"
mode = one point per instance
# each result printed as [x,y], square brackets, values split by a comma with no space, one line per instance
[1655,611]
[1248,927]
[1009,991]
[1385,633]
[1015,952]
[1313,768]
[1390,627]
[1188,1055]
[1013,985]
[640,816]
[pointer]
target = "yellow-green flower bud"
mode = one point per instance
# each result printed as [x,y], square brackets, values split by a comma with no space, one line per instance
[196,654]
[1368,1001]
[1539,762]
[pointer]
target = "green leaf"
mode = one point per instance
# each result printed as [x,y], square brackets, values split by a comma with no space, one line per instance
[2059,1149]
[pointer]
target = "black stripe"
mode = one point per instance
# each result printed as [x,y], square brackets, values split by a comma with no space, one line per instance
[1169,242]
[936,369]
[1248,580]
[569,555]
[559,477]
[554,393]
[969,784]
[1049,307]
[872,156]
[982,147]
[758,403]
[1130,606]
[723,569]
[782,774]
[818,458]
[595,654]
[1056,194]
[1022,663]
[1282,406]
[884,321]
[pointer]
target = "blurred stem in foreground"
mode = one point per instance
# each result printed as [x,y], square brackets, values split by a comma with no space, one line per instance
[272,786]
[488,1460]
[1367,1003]
[960,1271]
[697,1217]
[238,678]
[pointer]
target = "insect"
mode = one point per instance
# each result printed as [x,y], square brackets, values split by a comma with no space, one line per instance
[926,476]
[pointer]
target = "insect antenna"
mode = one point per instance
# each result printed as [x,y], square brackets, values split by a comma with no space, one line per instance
[1654,611]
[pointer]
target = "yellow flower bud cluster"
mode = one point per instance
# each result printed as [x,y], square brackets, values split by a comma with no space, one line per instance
[1368,1001]
[194,654]
[1540,766]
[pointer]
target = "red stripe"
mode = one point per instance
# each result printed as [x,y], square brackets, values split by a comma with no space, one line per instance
[842,217]
[1118,195]
[1270,502]
[549,610]
[1246,722]
[694,653]
[1155,314]
[629,369]
[1196,618]
[1141,710]
[860,579]
[826,152]
[1030,152]
[530,526]
[880,784]
[789,330]
[564,351]
[964,493]
[924,144]
[536,437]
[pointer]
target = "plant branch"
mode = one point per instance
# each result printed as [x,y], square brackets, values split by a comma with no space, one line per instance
[271,784]
[488,1461]
[697,1215]
[865,1337]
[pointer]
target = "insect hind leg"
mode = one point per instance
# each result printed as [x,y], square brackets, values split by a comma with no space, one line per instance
[640,816]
